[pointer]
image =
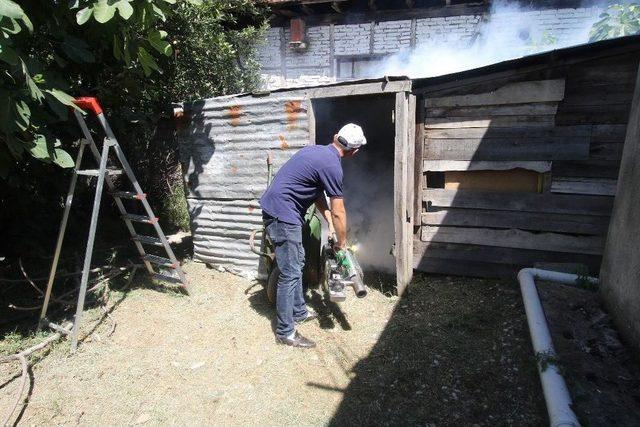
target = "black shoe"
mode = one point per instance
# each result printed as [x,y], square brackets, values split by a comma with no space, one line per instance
[311,314]
[297,341]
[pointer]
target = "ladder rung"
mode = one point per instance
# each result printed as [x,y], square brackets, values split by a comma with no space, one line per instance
[96,172]
[140,218]
[166,278]
[129,195]
[158,260]
[148,240]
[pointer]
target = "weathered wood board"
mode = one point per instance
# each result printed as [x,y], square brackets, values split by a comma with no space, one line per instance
[514,238]
[516,148]
[514,93]
[535,221]
[495,122]
[593,186]
[472,165]
[522,202]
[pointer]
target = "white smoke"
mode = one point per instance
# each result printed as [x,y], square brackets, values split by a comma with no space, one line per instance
[509,31]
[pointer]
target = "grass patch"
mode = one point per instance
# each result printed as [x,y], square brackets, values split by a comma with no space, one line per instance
[15,342]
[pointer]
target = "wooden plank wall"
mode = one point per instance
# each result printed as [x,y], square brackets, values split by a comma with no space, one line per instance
[566,122]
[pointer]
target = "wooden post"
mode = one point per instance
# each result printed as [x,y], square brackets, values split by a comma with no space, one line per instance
[403,178]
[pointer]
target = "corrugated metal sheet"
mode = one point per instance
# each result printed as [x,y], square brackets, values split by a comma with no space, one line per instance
[224,153]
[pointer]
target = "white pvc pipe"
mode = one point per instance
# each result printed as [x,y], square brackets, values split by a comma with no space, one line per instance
[554,387]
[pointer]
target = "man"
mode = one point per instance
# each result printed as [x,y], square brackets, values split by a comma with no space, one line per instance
[301,181]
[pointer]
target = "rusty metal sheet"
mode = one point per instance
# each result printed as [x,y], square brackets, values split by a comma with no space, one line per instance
[221,230]
[224,153]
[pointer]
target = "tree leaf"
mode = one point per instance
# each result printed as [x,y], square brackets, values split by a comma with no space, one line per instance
[103,11]
[63,97]
[39,148]
[77,50]
[117,48]
[158,12]
[62,158]
[34,90]
[27,23]
[8,55]
[23,115]
[11,9]
[9,25]
[124,9]
[155,38]
[148,63]
[84,15]
[15,146]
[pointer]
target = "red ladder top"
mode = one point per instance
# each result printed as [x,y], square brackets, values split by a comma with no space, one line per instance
[88,103]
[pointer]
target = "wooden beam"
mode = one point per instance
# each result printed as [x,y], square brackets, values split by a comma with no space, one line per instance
[534,221]
[473,260]
[510,132]
[550,148]
[472,165]
[487,111]
[494,122]
[523,202]
[359,89]
[395,15]
[372,5]
[519,239]
[306,9]
[400,187]
[592,186]
[336,6]
[512,93]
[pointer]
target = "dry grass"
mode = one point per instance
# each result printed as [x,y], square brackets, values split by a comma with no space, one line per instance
[454,351]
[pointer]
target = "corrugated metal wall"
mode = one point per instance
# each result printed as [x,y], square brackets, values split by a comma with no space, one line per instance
[224,151]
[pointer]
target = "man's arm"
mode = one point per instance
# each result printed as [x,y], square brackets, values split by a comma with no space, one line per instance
[339,216]
[321,205]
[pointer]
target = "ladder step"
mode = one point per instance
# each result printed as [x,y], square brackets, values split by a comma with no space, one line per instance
[158,260]
[96,172]
[148,240]
[129,195]
[165,278]
[140,218]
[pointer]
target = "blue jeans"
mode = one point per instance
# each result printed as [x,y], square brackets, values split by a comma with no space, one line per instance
[290,304]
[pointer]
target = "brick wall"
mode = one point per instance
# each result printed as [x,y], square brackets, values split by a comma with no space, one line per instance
[317,64]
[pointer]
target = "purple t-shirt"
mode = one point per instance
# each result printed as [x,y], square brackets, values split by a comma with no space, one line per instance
[300,181]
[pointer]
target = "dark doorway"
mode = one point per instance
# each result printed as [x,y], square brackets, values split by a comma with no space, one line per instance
[368,177]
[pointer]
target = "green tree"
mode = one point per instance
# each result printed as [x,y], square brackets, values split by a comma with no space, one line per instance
[135,55]
[617,20]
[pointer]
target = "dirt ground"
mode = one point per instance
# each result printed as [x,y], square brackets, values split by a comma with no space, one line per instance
[452,352]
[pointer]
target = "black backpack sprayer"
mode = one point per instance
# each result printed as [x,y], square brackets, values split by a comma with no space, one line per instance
[324,267]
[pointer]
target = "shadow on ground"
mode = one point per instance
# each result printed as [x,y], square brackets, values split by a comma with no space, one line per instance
[455,351]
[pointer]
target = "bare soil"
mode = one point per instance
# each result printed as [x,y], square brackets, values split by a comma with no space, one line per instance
[453,352]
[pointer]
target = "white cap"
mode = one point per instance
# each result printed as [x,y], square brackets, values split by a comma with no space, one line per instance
[351,136]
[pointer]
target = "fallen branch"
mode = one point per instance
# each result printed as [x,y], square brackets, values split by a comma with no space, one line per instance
[26,276]
[22,358]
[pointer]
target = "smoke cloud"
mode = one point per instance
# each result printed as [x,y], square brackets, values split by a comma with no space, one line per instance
[369,203]
[509,31]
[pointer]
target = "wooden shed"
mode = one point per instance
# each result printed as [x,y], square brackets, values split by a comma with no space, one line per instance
[486,170]
[517,163]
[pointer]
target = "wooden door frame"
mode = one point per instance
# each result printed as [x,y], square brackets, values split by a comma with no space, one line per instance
[404,159]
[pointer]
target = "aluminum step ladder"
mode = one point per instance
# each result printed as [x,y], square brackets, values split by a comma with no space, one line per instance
[169,268]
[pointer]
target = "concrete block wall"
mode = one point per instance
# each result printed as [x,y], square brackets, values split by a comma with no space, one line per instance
[317,64]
